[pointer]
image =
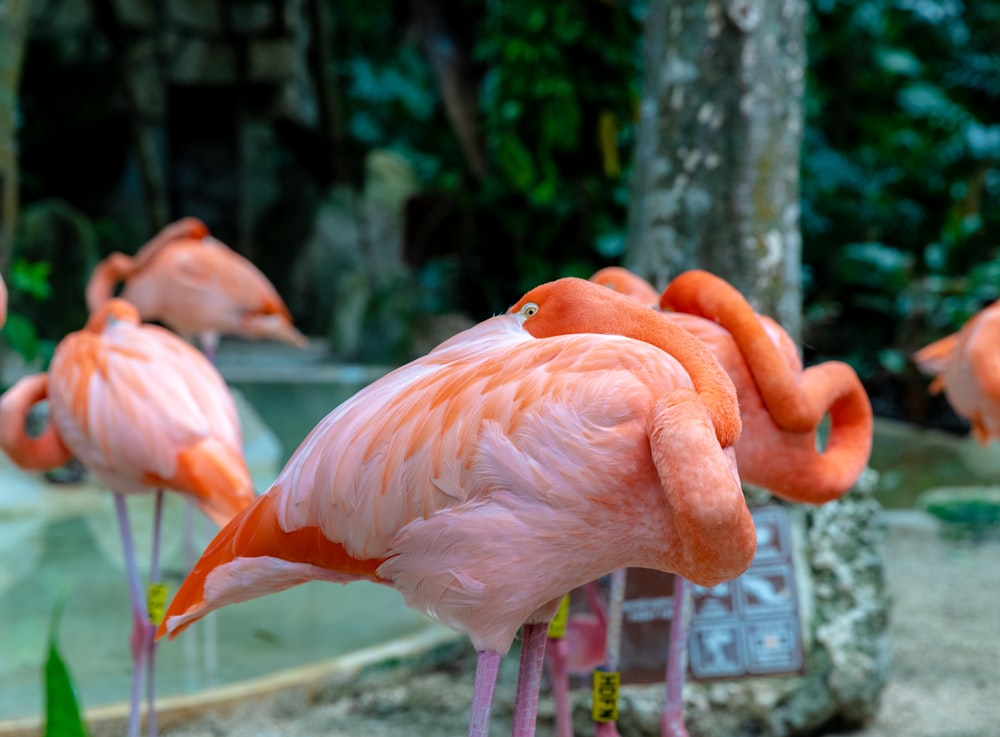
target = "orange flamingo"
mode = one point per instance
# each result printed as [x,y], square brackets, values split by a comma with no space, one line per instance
[965,367]
[142,410]
[197,286]
[510,465]
[781,406]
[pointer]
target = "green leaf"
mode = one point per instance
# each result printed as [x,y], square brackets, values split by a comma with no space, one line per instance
[62,710]
[32,278]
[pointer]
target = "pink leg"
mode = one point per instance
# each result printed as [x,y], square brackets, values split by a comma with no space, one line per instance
[487,670]
[616,605]
[673,707]
[141,629]
[529,679]
[559,675]
[606,729]
[154,577]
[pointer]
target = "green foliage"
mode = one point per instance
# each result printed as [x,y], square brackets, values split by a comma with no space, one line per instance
[544,74]
[554,72]
[28,282]
[62,710]
[900,174]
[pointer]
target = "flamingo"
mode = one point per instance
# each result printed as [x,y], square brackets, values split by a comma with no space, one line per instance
[143,410]
[516,461]
[197,286]
[201,289]
[781,406]
[965,368]
[3,302]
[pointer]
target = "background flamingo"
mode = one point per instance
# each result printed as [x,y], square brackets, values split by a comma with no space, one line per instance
[196,286]
[142,410]
[490,477]
[3,302]
[966,368]
[781,406]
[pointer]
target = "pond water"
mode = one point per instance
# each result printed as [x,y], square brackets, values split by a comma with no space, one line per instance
[63,542]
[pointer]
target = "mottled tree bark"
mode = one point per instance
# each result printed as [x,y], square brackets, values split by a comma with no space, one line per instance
[13,38]
[716,177]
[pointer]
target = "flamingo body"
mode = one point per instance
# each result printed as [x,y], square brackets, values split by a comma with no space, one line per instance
[490,477]
[196,285]
[144,411]
[967,369]
[140,408]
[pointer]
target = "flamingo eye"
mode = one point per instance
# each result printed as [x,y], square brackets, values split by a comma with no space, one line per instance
[529,309]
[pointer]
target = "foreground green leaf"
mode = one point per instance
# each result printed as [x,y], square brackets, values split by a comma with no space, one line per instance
[62,710]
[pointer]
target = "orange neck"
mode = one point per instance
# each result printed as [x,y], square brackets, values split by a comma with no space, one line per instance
[42,453]
[706,295]
[584,307]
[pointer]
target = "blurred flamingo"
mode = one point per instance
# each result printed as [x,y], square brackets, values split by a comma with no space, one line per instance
[3,302]
[508,466]
[625,282]
[196,286]
[143,410]
[781,406]
[965,367]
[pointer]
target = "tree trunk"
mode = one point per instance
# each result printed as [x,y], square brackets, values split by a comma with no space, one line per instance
[716,177]
[13,38]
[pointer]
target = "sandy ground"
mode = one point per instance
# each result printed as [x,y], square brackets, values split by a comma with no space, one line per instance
[945,680]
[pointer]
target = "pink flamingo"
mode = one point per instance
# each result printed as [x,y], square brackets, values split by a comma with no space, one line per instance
[965,368]
[197,286]
[781,406]
[142,410]
[3,302]
[487,479]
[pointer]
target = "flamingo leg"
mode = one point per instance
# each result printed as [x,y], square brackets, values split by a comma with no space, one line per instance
[616,606]
[529,679]
[154,578]
[141,630]
[487,670]
[559,675]
[672,724]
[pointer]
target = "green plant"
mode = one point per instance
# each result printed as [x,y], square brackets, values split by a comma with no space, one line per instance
[62,708]
[900,175]
[28,282]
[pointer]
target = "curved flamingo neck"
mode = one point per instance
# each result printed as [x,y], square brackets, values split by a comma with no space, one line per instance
[577,306]
[42,453]
[105,277]
[806,474]
[704,294]
[117,266]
